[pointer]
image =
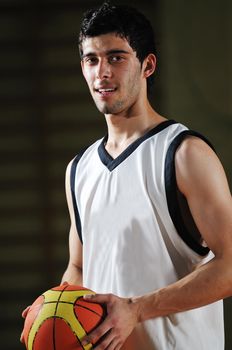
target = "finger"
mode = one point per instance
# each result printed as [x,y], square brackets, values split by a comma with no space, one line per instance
[25,312]
[114,345]
[108,339]
[97,298]
[64,283]
[99,332]
[118,347]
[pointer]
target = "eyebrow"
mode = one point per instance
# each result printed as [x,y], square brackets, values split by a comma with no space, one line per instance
[109,52]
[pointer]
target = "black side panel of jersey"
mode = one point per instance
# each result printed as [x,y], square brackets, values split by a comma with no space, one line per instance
[72,184]
[177,203]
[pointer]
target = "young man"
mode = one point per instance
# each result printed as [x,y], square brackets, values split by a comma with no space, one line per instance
[149,204]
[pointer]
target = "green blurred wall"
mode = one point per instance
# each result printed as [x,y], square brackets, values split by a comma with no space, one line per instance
[47,116]
[196,78]
[197,69]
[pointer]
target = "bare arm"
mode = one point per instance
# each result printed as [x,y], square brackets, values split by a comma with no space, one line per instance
[201,179]
[73,273]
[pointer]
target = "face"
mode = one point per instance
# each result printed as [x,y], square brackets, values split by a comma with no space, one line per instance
[113,73]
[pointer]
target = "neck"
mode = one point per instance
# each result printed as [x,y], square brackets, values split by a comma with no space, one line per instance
[128,126]
[125,128]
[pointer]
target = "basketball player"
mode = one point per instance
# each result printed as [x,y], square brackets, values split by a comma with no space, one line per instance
[149,204]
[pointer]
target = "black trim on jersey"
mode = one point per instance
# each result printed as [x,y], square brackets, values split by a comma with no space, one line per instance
[174,196]
[72,185]
[112,163]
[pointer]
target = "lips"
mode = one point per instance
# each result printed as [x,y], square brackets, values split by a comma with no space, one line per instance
[106,91]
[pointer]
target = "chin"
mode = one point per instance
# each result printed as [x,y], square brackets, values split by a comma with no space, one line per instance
[105,109]
[110,109]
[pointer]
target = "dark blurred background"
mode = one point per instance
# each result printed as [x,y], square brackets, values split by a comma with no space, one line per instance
[47,116]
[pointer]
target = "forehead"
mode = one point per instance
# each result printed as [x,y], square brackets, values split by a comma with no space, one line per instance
[104,43]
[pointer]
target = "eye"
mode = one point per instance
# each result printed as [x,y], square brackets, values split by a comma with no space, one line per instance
[116,58]
[91,60]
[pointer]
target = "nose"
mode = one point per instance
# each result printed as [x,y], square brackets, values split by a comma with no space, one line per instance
[104,70]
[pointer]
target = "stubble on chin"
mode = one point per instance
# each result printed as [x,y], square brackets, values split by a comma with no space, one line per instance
[115,108]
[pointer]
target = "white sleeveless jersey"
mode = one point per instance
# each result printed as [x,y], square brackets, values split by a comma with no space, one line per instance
[138,235]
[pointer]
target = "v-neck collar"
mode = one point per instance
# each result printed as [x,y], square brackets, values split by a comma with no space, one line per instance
[111,163]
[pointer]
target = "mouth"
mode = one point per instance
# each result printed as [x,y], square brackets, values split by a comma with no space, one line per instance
[104,92]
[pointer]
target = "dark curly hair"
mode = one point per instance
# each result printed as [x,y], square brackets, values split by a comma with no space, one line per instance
[126,22]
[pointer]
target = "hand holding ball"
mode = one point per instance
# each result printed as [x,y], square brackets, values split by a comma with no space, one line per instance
[60,318]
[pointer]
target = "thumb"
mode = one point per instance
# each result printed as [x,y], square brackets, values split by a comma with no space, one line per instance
[22,340]
[25,312]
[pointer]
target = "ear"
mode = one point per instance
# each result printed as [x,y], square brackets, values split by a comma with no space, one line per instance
[149,65]
[83,70]
[82,67]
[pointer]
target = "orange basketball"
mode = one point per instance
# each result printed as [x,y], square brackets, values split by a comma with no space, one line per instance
[60,318]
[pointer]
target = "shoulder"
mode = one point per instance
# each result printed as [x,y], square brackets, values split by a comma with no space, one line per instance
[194,148]
[80,154]
[194,151]
[196,164]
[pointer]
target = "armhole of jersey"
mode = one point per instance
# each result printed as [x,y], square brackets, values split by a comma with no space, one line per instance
[177,203]
[72,185]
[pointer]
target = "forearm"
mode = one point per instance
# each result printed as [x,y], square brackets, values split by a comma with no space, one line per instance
[72,275]
[205,285]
